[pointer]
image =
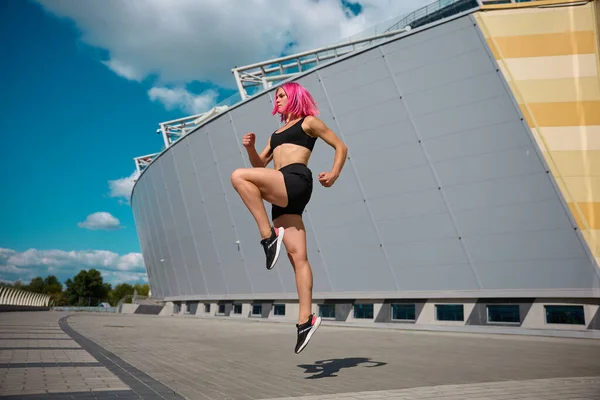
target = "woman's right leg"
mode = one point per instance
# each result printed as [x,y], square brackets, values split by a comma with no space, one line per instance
[255,184]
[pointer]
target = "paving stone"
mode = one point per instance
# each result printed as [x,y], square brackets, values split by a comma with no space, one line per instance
[175,358]
[195,354]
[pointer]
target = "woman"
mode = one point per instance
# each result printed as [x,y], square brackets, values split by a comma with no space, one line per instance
[288,187]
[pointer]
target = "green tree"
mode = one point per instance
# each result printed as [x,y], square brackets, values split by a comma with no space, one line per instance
[49,285]
[87,288]
[18,285]
[36,285]
[142,290]
[120,291]
[52,285]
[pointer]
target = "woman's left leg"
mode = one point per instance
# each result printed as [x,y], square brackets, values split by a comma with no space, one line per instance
[295,245]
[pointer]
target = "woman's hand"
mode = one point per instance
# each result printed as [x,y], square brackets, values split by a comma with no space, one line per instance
[327,179]
[248,140]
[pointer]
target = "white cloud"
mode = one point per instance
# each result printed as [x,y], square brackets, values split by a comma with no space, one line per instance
[122,187]
[130,262]
[117,276]
[201,40]
[11,269]
[83,258]
[13,282]
[100,221]
[181,98]
[124,70]
[26,265]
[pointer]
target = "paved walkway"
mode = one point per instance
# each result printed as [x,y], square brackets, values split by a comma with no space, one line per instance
[45,355]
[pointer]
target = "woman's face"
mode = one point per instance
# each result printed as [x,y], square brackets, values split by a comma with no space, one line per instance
[281,99]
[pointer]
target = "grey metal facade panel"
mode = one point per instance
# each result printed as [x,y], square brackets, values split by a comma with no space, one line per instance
[177,189]
[443,189]
[141,233]
[144,246]
[464,65]
[572,273]
[174,218]
[427,47]
[158,212]
[531,188]
[200,219]
[148,220]
[480,141]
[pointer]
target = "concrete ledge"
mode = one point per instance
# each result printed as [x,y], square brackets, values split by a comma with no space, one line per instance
[128,308]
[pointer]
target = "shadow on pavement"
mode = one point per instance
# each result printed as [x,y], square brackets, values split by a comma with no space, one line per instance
[329,368]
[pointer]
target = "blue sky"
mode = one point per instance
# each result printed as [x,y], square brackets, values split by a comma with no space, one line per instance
[78,105]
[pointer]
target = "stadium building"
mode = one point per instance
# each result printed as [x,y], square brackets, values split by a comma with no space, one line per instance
[468,200]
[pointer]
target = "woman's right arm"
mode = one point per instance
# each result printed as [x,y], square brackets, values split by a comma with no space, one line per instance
[263,159]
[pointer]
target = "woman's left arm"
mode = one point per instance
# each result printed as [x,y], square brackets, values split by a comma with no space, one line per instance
[317,128]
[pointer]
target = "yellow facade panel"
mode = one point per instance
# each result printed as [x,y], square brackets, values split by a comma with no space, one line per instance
[581,189]
[565,114]
[538,139]
[591,214]
[550,44]
[576,163]
[505,71]
[523,6]
[555,67]
[539,21]
[568,138]
[493,48]
[527,116]
[557,90]
[591,236]
[577,216]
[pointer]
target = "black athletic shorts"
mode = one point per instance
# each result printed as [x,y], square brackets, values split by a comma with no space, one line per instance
[299,184]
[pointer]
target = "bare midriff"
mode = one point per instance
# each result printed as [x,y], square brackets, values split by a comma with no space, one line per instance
[288,153]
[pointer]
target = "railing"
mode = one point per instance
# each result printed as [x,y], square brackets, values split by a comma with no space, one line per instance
[174,130]
[262,75]
[22,298]
[101,309]
[177,128]
[142,162]
[428,10]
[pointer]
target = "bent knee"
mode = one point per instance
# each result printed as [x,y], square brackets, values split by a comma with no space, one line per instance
[237,176]
[297,258]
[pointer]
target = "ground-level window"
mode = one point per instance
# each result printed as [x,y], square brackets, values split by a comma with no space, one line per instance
[404,312]
[279,309]
[363,311]
[571,315]
[450,312]
[503,313]
[327,310]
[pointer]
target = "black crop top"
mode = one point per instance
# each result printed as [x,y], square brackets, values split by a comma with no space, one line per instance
[295,135]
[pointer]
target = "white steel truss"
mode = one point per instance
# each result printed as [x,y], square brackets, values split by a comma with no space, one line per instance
[264,73]
[174,130]
[177,128]
[143,161]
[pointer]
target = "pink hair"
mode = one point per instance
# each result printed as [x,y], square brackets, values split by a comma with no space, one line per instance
[300,102]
